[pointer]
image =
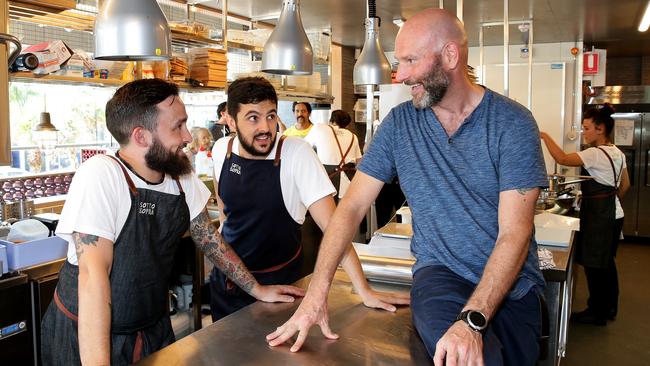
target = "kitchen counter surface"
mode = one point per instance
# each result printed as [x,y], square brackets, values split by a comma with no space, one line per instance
[367,336]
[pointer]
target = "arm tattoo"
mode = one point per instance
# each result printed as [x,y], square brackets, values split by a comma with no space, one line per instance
[81,239]
[211,243]
[523,191]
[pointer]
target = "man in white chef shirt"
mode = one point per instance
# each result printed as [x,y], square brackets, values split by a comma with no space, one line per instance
[266,183]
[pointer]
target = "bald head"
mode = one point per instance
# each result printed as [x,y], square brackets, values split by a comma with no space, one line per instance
[438,26]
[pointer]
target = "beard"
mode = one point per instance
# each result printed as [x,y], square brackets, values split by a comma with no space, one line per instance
[174,163]
[435,84]
[251,149]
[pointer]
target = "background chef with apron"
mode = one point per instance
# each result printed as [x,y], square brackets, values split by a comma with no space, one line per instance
[337,149]
[123,218]
[266,184]
[601,214]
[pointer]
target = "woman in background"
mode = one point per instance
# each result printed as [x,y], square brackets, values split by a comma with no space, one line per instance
[601,214]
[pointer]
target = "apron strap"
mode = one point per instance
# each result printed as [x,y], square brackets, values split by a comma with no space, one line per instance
[340,167]
[137,348]
[229,151]
[230,284]
[278,151]
[126,175]
[62,308]
[178,183]
[611,162]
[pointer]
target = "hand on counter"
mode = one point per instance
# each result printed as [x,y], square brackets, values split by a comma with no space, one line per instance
[311,311]
[384,300]
[277,293]
[459,346]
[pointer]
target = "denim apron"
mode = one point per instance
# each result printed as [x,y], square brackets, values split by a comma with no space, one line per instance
[597,221]
[143,255]
[258,227]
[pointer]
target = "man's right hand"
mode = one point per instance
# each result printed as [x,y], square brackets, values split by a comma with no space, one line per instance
[276,293]
[311,311]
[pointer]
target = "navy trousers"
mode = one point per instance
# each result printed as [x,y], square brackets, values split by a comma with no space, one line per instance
[438,296]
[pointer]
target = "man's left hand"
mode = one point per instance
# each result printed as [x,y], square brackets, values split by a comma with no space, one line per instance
[384,300]
[459,346]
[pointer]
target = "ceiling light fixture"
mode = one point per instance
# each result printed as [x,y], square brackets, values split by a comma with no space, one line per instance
[127,30]
[288,51]
[645,21]
[372,67]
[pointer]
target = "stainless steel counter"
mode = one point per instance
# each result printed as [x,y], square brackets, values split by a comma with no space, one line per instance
[367,336]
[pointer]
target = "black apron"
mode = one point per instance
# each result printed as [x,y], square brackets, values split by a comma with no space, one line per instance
[143,256]
[258,227]
[334,171]
[597,221]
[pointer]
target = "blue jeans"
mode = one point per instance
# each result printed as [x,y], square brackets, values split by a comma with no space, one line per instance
[438,296]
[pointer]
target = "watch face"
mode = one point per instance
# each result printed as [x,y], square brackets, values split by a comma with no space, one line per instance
[477,319]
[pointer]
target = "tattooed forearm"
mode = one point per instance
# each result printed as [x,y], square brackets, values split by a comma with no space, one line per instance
[80,240]
[523,191]
[209,241]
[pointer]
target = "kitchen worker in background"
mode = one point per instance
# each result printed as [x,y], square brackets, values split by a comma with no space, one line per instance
[123,218]
[470,164]
[266,183]
[220,128]
[601,214]
[302,111]
[337,149]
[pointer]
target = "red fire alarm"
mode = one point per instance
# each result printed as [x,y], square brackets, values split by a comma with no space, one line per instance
[590,63]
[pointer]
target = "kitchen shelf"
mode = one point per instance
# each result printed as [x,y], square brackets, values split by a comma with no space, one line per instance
[71,80]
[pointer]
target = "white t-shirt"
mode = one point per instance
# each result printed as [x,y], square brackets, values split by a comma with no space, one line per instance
[321,138]
[600,168]
[303,179]
[98,200]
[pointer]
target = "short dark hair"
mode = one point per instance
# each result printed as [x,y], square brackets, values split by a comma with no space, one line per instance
[601,115]
[341,118]
[249,90]
[307,105]
[221,108]
[136,105]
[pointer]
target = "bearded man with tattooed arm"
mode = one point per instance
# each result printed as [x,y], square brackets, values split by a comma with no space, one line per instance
[123,218]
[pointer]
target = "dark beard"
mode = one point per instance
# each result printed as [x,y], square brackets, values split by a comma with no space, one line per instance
[248,146]
[160,159]
[435,84]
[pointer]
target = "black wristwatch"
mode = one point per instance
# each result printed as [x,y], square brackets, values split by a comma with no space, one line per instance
[474,319]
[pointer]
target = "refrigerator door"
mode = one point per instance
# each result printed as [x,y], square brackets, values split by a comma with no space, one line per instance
[627,137]
[643,218]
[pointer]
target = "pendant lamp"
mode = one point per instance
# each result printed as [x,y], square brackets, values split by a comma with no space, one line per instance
[288,51]
[45,133]
[372,66]
[132,30]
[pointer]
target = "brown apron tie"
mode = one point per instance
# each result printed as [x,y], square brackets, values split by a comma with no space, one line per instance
[62,308]
[137,348]
[230,285]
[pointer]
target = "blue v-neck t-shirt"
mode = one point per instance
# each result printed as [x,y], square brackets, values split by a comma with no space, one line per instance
[452,183]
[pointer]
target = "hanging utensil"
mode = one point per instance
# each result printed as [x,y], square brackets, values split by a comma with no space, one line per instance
[4,37]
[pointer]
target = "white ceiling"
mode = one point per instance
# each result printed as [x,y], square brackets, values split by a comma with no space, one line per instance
[605,23]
